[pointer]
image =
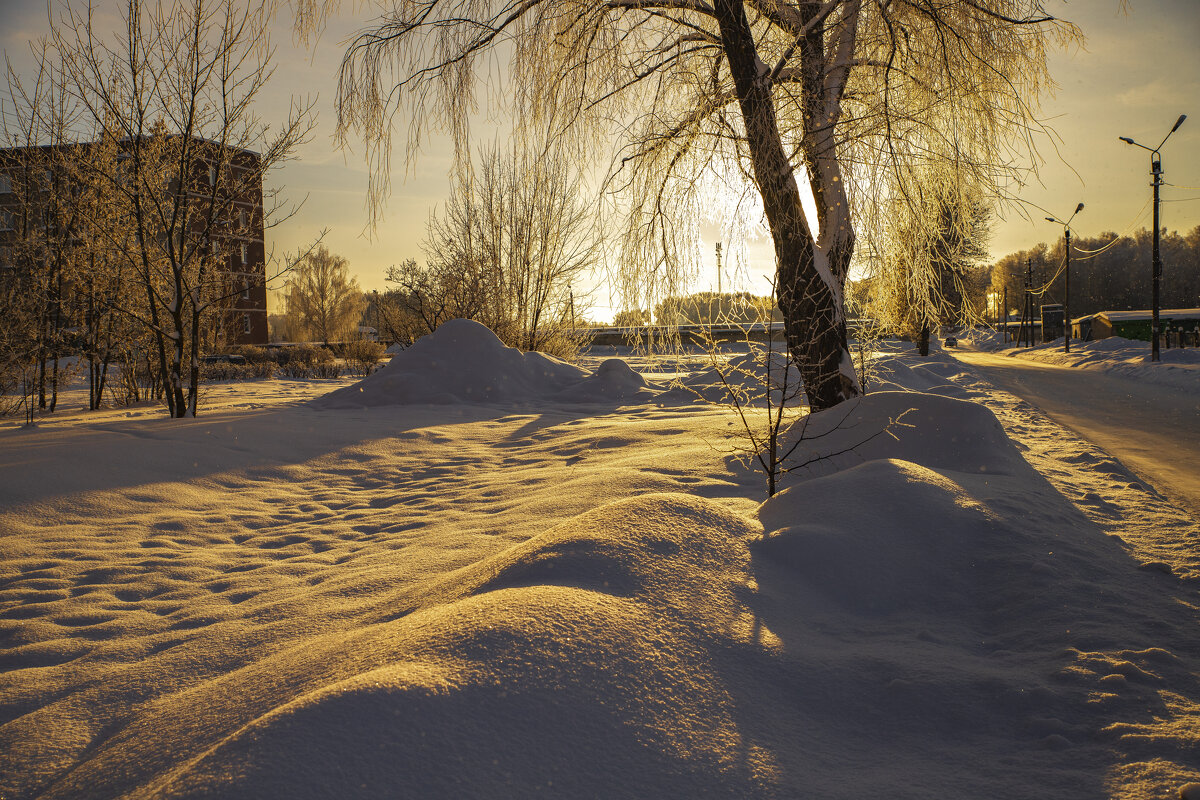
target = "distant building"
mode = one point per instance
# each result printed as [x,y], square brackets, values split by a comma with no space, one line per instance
[238,241]
[1136,324]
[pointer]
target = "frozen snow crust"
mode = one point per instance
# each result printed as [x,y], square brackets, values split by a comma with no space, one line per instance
[418,600]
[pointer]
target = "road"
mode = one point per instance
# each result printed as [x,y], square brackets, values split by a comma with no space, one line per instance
[1152,430]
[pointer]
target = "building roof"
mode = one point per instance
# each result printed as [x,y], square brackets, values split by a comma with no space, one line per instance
[1146,314]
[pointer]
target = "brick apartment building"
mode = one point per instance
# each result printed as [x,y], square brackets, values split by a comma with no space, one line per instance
[237,239]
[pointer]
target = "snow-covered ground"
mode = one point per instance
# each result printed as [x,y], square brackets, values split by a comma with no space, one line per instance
[1177,368]
[481,573]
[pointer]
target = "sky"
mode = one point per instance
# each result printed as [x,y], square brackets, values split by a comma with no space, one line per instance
[1139,70]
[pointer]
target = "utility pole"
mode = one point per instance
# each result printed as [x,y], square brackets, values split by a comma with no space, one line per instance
[1004,313]
[1156,262]
[1156,268]
[1067,289]
[1028,314]
[718,268]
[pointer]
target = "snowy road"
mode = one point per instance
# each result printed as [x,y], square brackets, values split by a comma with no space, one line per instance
[1153,430]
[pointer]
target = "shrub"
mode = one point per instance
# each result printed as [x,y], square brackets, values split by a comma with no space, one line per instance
[253,353]
[303,355]
[237,372]
[362,355]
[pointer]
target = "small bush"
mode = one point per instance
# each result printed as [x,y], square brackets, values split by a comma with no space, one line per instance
[362,355]
[304,355]
[237,372]
[300,371]
[253,353]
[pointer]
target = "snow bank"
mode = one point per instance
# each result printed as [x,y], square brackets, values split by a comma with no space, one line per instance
[464,362]
[461,362]
[1177,368]
[567,666]
[937,432]
[613,379]
[744,374]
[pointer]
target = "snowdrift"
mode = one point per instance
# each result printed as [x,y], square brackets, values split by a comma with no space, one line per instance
[1178,367]
[744,373]
[464,362]
[917,614]
[931,430]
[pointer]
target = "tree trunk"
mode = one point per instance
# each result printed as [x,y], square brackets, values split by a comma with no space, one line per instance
[808,291]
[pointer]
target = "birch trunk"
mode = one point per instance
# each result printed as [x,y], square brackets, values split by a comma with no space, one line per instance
[808,290]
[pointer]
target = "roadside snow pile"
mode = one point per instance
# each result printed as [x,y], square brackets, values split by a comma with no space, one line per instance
[464,362]
[1178,367]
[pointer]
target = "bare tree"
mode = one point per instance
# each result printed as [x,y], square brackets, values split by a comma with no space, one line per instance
[42,213]
[322,300]
[174,91]
[714,97]
[507,249]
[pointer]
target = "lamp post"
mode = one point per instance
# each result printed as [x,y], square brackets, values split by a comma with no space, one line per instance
[1156,269]
[1067,272]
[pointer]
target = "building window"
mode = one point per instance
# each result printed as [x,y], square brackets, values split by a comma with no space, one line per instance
[245,323]
[243,250]
[8,221]
[216,249]
[5,257]
[243,220]
[5,184]
[246,289]
[212,176]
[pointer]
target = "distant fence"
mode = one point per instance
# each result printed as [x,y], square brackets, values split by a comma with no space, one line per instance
[697,334]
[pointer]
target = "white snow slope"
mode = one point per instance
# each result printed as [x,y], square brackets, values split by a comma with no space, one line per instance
[393,593]
[1178,368]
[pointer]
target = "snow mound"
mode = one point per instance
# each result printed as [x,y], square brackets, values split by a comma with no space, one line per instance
[915,547]
[460,362]
[941,433]
[614,379]
[566,666]
[745,374]
[933,374]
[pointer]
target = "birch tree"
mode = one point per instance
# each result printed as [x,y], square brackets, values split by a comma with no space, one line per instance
[763,99]
[175,90]
[322,300]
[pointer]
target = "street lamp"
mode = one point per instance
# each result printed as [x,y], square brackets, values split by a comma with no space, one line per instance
[1156,178]
[1067,289]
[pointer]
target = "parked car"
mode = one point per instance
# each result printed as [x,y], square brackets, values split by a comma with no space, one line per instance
[951,341]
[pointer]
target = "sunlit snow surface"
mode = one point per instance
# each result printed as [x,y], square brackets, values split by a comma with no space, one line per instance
[1178,367]
[568,588]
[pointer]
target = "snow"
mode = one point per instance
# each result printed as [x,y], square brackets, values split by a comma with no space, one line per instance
[1178,368]
[1169,313]
[487,573]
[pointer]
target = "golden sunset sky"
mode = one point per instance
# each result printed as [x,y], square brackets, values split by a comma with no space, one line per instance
[1139,71]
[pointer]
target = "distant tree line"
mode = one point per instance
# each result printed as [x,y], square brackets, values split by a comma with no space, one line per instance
[703,308]
[1108,272]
